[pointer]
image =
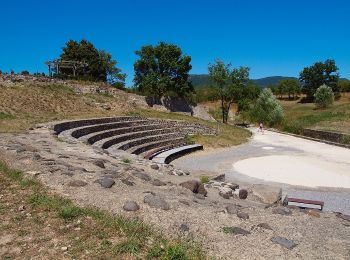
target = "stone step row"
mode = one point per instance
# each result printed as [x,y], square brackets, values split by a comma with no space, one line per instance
[136,135]
[58,128]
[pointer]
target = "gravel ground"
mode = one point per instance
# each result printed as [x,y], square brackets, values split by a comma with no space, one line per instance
[60,163]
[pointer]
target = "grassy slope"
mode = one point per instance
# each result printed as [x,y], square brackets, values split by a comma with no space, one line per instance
[335,118]
[23,106]
[38,224]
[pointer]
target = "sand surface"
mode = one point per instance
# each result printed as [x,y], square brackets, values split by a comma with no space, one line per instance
[295,170]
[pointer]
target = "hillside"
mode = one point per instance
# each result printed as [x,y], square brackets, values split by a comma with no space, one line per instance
[27,101]
[203,80]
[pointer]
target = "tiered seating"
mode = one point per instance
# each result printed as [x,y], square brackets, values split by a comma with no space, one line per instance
[137,135]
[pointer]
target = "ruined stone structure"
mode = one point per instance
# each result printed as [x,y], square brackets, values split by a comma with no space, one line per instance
[137,135]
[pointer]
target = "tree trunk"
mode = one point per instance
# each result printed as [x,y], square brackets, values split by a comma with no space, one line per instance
[223,109]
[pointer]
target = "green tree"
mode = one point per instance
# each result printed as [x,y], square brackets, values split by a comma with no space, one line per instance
[162,69]
[289,86]
[344,85]
[267,109]
[101,66]
[324,96]
[230,85]
[318,74]
[25,72]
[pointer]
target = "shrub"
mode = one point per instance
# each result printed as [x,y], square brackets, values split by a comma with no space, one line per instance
[324,96]
[267,109]
[204,179]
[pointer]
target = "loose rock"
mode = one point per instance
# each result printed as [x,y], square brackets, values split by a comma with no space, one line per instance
[243,215]
[131,206]
[157,182]
[282,211]
[264,225]
[184,228]
[284,242]
[155,201]
[236,231]
[77,183]
[141,175]
[99,163]
[107,182]
[155,166]
[232,209]
[128,182]
[243,194]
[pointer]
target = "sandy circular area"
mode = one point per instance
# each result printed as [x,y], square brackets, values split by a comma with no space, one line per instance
[294,170]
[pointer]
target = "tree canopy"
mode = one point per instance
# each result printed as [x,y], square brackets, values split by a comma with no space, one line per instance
[230,85]
[267,109]
[101,66]
[318,74]
[162,69]
[291,87]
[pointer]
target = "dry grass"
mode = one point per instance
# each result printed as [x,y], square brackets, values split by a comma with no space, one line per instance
[23,106]
[334,118]
[38,225]
[228,135]
[29,105]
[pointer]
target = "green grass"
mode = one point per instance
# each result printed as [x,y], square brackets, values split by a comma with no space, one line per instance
[299,116]
[137,238]
[4,115]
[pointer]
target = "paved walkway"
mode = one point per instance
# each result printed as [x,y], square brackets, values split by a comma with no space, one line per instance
[293,163]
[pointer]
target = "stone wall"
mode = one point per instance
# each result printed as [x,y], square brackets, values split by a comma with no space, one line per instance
[325,135]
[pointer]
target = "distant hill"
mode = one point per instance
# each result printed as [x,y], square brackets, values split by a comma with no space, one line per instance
[200,80]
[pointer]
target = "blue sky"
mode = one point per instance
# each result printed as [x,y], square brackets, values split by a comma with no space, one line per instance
[270,37]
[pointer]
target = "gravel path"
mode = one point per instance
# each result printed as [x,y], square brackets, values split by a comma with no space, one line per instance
[278,160]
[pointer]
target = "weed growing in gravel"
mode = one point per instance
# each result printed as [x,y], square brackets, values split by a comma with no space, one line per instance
[204,179]
[126,160]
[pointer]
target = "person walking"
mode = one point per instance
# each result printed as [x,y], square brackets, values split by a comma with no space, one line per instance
[261,128]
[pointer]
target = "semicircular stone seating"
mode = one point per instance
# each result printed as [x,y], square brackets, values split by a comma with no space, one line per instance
[160,140]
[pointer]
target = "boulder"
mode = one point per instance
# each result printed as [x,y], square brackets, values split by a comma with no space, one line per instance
[284,242]
[154,201]
[131,206]
[267,194]
[195,186]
